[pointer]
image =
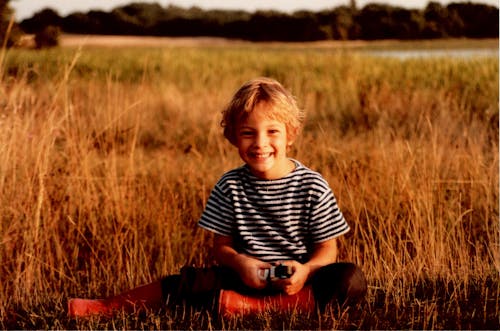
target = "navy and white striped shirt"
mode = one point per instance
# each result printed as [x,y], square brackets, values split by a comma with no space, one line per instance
[274,220]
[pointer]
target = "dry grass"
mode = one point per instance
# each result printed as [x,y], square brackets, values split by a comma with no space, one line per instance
[108,158]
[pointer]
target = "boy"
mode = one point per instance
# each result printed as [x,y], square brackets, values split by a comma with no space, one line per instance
[271,211]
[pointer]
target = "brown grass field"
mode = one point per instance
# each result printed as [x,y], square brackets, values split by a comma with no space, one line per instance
[107,156]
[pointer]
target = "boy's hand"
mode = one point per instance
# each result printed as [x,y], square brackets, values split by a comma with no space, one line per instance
[249,269]
[296,282]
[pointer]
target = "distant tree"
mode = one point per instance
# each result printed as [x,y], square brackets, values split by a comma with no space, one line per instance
[435,16]
[10,32]
[232,24]
[40,20]
[344,24]
[48,37]
[140,17]
[304,26]
[268,25]
[374,21]
[454,25]
[92,22]
[379,21]
[125,24]
[353,5]
[434,11]
[476,20]
[407,23]
[76,23]
[101,22]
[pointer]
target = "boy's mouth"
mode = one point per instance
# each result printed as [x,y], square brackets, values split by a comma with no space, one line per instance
[261,156]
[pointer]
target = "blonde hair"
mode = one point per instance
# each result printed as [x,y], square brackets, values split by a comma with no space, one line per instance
[281,107]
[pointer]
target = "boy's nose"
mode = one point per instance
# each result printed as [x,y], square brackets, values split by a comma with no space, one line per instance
[261,140]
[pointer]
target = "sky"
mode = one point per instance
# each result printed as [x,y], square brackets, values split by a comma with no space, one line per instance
[26,8]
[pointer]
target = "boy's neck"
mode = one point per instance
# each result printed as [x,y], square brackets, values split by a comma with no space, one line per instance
[290,167]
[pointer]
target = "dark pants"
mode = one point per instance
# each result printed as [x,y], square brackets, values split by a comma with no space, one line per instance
[340,283]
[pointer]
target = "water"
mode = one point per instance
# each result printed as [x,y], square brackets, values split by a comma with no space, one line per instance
[426,53]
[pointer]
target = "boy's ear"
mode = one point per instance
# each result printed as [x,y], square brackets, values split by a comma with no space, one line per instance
[290,139]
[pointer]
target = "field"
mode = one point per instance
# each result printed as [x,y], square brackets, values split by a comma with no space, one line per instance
[108,155]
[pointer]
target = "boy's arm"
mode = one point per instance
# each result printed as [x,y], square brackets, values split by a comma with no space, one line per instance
[324,253]
[247,267]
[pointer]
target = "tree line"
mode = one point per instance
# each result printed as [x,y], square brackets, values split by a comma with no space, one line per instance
[373,21]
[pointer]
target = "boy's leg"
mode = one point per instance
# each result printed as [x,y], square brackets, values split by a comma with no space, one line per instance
[235,298]
[342,282]
[201,288]
[194,287]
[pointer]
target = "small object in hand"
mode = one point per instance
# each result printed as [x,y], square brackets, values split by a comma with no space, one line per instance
[276,272]
[280,271]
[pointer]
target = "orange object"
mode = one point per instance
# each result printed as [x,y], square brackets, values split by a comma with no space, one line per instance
[146,296]
[89,307]
[233,303]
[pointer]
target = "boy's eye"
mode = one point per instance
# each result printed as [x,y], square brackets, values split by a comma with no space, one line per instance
[246,133]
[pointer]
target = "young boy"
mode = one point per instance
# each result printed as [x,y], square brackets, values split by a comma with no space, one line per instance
[271,211]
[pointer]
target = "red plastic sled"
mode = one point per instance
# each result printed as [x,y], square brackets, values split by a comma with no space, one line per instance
[232,303]
[89,307]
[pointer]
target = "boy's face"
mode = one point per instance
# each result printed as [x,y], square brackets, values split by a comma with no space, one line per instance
[262,144]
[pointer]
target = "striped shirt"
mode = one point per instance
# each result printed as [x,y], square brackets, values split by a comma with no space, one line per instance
[274,220]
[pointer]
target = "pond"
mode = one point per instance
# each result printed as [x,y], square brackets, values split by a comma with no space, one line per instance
[425,53]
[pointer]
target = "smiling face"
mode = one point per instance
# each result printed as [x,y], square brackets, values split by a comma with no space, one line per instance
[262,143]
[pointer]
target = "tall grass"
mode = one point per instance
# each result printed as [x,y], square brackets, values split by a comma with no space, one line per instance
[107,159]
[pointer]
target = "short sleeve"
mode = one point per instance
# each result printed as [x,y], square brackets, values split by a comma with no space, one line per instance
[218,215]
[327,221]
